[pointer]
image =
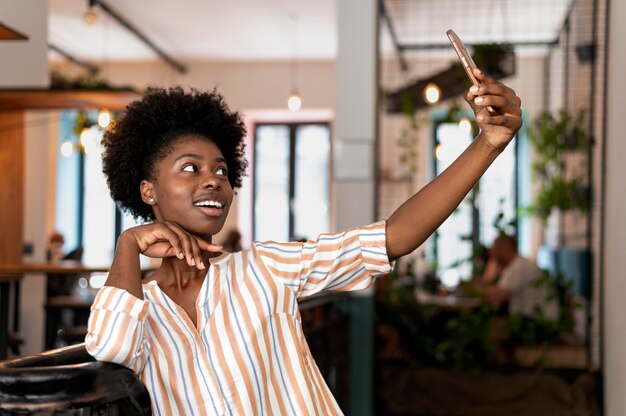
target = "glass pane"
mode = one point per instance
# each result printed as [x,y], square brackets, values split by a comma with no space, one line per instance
[66,212]
[145,262]
[271,207]
[453,251]
[311,177]
[497,195]
[99,225]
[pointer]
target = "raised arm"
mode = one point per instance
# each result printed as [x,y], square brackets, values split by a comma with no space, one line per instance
[416,219]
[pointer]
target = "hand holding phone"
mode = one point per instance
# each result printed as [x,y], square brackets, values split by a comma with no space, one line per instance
[468,63]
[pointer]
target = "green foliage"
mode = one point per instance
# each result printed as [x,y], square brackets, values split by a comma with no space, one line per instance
[499,222]
[560,193]
[538,329]
[400,291]
[87,81]
[468,344]
[409,138]
[552,135]
[482,52]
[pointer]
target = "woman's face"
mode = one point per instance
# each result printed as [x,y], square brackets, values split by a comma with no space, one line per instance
[191,187]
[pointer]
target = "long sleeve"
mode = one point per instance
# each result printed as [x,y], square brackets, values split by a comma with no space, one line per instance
[115,331]
[349,260]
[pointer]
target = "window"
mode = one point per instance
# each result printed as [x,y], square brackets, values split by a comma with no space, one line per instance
[291,181]
[453,243]
[472,224]
[85,213]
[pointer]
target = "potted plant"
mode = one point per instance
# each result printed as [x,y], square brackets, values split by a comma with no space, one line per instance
[552,136]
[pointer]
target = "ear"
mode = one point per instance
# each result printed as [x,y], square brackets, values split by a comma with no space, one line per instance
[146,188]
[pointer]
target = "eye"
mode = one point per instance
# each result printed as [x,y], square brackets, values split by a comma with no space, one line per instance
[190,168]
[221,171]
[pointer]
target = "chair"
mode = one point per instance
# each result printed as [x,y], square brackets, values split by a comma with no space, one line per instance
[69,381]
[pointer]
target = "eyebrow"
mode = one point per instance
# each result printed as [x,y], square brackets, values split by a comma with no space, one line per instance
[195,156]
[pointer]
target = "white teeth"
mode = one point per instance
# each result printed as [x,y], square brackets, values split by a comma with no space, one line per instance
[212,204]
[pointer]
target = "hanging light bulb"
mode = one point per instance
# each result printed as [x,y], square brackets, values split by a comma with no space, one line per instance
[66,148]
[84,137]
[432,93]
[104,118]
[90,16]
[294,102]
[465,126]
[440,153]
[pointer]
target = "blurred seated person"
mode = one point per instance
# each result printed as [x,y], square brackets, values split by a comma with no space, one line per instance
[55,249]
[61,284]
[232,242]
[55,246]
[511,279]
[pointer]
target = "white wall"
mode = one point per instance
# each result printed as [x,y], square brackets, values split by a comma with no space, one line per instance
[25,63]
[244,84]
[614,223]
[39,193]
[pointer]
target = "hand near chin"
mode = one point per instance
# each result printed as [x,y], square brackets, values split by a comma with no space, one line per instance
[168,239]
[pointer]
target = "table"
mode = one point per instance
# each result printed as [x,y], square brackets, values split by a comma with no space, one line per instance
[11,274]
[60,267]
[449,302]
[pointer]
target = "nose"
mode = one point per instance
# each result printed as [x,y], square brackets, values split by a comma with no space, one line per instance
[210,181]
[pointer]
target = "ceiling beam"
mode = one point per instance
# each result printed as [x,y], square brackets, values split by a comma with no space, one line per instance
[149,43]
[392,33]
[8,33]
[446,45]
[91,68]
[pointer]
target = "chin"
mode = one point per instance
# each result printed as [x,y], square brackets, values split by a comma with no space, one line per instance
[208,230]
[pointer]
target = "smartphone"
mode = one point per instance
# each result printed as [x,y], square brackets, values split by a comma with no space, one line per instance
[467,62]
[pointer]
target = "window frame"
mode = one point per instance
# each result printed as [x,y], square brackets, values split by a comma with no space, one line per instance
[436,121]
[293,127]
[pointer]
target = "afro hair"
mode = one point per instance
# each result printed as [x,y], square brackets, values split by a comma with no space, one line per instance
[148,129]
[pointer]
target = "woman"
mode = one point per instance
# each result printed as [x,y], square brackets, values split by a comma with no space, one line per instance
[219,333]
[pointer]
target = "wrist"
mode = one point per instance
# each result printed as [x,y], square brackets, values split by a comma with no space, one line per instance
[127,242]
[484,140]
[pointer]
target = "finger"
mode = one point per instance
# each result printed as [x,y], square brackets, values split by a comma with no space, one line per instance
[472,93]
[513,122]
[195,249]
[487,82]
[185,240]
[166,233]
[206,246]
[495,88]
[499,102]
[483,77]
[469,99]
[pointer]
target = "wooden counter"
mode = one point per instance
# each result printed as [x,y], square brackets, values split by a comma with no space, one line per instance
[59,267]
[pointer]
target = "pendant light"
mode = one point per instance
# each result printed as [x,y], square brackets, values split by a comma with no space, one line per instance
[294,100]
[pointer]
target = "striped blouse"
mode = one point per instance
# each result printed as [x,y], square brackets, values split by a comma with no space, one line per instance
[247,355]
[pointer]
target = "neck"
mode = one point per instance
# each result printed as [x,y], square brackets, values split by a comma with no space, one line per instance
[174,272]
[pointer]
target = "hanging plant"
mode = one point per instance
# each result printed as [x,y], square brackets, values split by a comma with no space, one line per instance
[409,139]
[87,81]
[552,135]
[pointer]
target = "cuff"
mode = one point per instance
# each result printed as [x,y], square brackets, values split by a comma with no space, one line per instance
[373,242]
[118,300]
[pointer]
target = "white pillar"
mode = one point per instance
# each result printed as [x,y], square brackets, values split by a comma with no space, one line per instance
[355,123]
[353,170]
[614,221]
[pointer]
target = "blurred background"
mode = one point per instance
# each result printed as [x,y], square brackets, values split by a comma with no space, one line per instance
[351,107]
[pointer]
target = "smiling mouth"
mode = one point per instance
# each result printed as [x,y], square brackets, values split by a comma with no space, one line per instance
[210,207]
